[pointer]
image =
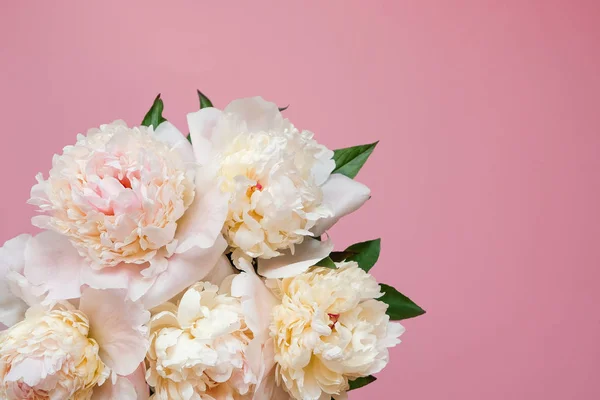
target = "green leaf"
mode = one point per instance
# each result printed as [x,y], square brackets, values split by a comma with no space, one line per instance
[400,306]
[154,115]
[204,101]
[349,160]
[360,382]
[365,254]
[326,262]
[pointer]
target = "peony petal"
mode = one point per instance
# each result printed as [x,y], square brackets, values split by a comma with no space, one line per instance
[306,254]
[202,223]
[138,379]
[257,302]
[121,389]
[222,270]
[12,306]
[344,196]
[183,270]
[170,135]
[52,262]
[121,276]
[268,389]
[259,114]
[202,124]
[118,325]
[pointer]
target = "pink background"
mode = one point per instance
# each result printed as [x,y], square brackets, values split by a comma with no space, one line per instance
[485,185]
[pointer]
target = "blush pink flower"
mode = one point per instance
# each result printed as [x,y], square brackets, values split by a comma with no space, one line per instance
[123,209]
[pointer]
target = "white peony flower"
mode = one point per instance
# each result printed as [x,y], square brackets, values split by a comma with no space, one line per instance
[200,348]
[61,352]
[57,343]
[278,179]
[329,329]
[127,200]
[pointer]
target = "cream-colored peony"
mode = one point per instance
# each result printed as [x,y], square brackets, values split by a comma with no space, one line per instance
[200,348]
[117,194]
[329,329]
[278,179]
[64,352]
[127,200]
[57,343]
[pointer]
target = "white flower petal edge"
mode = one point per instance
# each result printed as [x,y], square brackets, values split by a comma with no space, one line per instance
[119,326]
[305,256]
[275,177]
[12,263]
[344,196]
[131,387]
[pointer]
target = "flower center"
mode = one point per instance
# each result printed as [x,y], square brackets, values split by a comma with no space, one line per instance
[253,189]
[334,319]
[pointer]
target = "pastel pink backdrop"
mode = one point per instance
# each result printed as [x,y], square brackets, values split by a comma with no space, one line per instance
[485,184]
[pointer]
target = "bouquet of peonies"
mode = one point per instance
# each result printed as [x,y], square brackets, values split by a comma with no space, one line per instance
[195,267]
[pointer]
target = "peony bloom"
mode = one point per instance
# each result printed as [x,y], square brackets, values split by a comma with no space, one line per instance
[57,343]
[278,179]
[64,352]
[117,194]
[200,348]
[328,329]
[127,200]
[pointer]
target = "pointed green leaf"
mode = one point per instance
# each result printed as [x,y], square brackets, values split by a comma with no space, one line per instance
[349,161]
[154,115]
[204,101]
[360,382]
[400,306]
[326,262]
[365,254]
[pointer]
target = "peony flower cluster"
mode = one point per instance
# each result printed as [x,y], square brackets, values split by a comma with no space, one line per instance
[195,268]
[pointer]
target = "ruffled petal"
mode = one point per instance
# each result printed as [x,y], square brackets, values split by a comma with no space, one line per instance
[257,302]
[121,276]
[306,254]
[202,124]
[12,306]
[121,389]
[202,223]
[183,270]
[118,325]
[344,196]
[170,135]
[53,263]
[258,114]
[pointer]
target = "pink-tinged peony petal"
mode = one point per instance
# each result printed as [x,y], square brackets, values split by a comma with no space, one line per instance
[121,276]
[202,223]
[344,196]
[183,270]
[138,379]
[306,254]
[52,262]
[12,306]
[170,135]
[118,325]
[267,389]
[121,389]
[257,113]
[222,270]
[202,124]
[257,302]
